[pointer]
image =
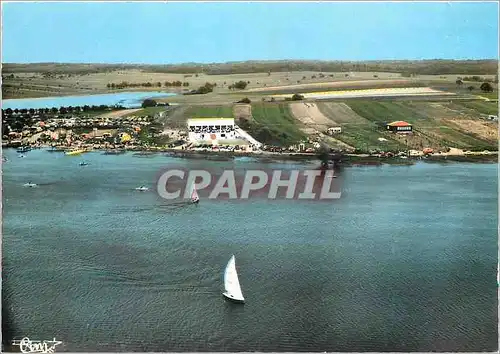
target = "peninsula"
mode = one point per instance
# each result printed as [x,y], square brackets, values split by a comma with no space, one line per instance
[447,107]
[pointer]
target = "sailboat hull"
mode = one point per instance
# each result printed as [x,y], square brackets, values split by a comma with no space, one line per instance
[232,299]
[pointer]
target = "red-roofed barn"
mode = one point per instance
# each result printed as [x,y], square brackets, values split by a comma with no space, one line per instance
[399,127]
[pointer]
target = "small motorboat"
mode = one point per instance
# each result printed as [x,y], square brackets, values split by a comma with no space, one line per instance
[21,156]
[83,163]
[30,185]
[23,149]
[142,189]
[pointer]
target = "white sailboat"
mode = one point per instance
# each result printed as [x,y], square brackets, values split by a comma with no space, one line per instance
[231,283]
[194,196]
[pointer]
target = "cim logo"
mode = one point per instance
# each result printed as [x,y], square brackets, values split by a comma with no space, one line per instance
[224,184]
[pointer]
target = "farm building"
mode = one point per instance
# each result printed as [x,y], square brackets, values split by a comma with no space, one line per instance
[400,127]
[211,129]
[334,130]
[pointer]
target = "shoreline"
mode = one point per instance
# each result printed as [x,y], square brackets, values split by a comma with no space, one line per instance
[14,103]
[96,93]
[346,160]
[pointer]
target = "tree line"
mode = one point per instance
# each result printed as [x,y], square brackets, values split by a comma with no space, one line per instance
[61,110]
[207,88]
[478,79]
[125,84]
[422,67]
[485,86]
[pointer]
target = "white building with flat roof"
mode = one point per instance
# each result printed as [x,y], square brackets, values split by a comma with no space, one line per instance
[210,129]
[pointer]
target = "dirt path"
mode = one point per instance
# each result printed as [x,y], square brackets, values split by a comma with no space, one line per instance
[482,129]
[434,110]
[175,118]
[310,115]
[420,140]
[341,113]
[121,113]
[460,118]
[331,141]
[344,83]
[315,123]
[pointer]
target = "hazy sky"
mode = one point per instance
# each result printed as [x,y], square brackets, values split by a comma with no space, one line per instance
[165,33]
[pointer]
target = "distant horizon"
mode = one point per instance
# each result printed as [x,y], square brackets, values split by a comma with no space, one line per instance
[173,33]
[249,61]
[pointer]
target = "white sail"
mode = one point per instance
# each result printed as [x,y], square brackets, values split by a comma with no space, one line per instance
[231,282]
[194,195]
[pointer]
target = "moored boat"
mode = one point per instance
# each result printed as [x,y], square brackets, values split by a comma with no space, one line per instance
[23,149]
[74,152]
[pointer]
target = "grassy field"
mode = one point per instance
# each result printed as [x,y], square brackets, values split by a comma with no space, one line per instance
[485,107]
[461,140]
[338,85]
[52,79]
[209,112]
[149,111]
[273,124]
[491,95]
[422,67]
[428,130]
[365,137]
[386,112]
[362,121]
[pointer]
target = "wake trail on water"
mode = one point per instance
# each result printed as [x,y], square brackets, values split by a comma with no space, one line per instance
[149,285]
[136,209]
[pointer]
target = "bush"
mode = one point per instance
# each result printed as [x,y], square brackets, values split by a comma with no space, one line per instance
[486,87]
[207,88]
[297,97]
[148,103]
[245,100]
[241,85]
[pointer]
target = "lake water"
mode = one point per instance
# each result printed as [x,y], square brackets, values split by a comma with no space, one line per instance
[405,261]
[126,99]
